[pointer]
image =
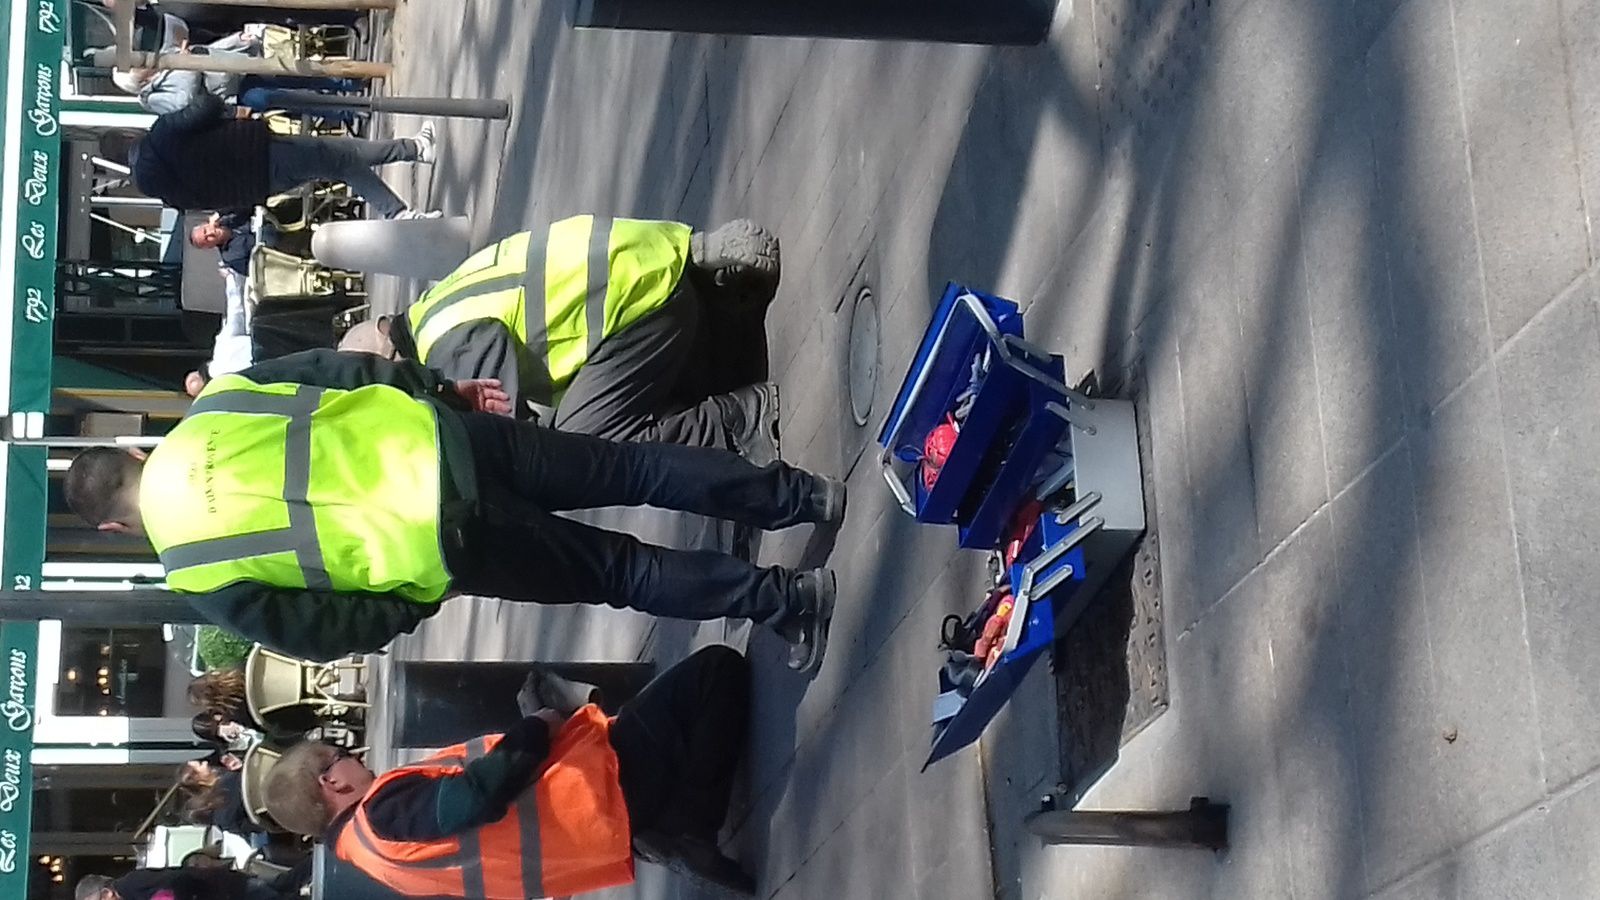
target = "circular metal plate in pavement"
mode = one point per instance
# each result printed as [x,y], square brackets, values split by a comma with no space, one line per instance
[863,355]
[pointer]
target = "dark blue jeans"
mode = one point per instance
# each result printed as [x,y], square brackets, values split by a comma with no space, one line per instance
[516,548]
[257,92]
[293,160]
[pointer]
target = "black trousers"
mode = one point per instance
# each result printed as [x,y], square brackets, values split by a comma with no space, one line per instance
[679,743]
[628,390]
[515,548]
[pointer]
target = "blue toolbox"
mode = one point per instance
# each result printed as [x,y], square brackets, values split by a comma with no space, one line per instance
[985,435]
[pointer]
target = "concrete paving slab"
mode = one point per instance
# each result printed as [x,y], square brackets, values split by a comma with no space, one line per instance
[1216,414]
[1424,203]
[1548,378]
[1347,282]
[1285,415]
[1383,632]
[1490,759]
[1514,90]
[1580,33]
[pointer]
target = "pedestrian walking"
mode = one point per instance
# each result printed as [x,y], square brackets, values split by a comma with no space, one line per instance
[554,806]
[324,502]
[204,158]
[597,318]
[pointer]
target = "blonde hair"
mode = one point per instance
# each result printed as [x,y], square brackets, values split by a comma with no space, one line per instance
[294,788]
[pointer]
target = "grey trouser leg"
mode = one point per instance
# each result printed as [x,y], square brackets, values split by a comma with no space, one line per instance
[293,160]
[624,392]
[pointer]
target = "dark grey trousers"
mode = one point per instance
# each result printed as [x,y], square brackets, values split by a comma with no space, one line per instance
[628,390]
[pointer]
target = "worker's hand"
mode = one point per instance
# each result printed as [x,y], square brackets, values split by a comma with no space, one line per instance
[484,395]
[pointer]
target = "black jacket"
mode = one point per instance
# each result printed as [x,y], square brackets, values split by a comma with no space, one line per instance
[200,158]
[427,809]
[324,625]
[185,884]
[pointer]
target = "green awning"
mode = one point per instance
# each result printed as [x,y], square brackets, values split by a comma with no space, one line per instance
[33,33]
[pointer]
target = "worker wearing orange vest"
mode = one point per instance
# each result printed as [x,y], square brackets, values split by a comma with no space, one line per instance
[552,807]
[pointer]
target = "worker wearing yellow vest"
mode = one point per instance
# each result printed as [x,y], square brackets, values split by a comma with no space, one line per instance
[600,320]
[554,806]
[324,502]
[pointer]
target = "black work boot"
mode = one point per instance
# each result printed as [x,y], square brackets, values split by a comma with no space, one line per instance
[828,500]
[740,258]
[695,856]
[751,416]
[807,633]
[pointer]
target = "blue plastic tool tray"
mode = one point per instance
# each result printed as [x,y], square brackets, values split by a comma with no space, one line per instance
[1038,632]
[1006,435]
[1017,433]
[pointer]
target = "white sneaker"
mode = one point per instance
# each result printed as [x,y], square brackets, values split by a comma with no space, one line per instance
[427,144]
[407,214]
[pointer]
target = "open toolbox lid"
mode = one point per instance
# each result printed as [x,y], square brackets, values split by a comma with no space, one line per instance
[1059,542]
[942,359]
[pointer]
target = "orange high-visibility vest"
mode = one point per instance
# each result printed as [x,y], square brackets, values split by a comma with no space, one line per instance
[567,833]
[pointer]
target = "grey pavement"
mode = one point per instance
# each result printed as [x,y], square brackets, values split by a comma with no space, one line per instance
[1346,249]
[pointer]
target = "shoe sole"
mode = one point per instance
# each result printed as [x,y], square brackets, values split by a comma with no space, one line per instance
[819,648]
[767,429]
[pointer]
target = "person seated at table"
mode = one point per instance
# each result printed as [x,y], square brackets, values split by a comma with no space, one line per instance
[556,805]
[221,692]
[223,733]
[233,349]
[234,237]
[215,796]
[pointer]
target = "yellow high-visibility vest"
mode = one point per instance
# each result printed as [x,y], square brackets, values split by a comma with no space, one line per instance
[296,486]
[588,278]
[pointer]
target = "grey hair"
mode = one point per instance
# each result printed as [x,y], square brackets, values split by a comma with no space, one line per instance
[90,886]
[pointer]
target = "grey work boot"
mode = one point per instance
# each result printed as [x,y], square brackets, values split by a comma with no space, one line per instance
[751,416]
[807,633]
[740,256]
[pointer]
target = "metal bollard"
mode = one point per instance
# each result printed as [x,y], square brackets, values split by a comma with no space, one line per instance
[1204,826]
[1019,22]
[411,248]
[451,107]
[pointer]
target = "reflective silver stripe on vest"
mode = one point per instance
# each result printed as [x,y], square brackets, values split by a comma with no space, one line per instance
[471,854]
[487,286]
[539,386]
[300,537]
[532,846]
[448,861]
[594,304]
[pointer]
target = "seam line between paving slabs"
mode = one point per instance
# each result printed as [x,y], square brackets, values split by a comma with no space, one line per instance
[1488,835]
[1293,533]
[1584,200]
[1494,366]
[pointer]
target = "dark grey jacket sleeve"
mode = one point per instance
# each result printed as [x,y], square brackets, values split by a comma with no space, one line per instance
[481,349]
[348,371]
[310,624]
